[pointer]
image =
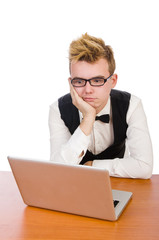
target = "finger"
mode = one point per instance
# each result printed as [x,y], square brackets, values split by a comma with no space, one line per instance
[73,92]
[71,87]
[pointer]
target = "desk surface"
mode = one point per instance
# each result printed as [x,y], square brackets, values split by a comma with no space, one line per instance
[140,220]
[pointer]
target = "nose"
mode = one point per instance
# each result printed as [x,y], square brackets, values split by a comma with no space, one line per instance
[88,88]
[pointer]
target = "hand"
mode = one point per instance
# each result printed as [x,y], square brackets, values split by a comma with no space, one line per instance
[87,111]
[84,107]
[89,163]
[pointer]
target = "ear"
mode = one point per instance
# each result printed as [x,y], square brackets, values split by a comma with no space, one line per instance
[114,79]
[69,80]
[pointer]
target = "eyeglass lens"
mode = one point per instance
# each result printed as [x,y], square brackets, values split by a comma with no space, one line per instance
[93,82]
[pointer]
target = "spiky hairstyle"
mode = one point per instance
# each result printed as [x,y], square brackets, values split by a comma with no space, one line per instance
[91,49]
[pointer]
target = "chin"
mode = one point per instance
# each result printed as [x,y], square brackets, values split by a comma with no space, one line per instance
[93,104]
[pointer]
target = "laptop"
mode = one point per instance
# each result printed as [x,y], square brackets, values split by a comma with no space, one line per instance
[73,189]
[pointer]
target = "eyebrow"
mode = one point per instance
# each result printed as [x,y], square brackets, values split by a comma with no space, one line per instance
[98,76]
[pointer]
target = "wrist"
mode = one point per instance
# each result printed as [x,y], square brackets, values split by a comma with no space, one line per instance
[87,124]
[91,114]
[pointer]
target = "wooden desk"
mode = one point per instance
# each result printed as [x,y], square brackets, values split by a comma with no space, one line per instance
[140,220]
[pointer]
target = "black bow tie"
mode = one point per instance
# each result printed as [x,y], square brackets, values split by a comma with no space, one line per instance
[103,118]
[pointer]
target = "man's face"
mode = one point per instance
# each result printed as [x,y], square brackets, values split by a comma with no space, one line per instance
[97,97]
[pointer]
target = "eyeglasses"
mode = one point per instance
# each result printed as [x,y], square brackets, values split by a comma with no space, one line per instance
[95,82]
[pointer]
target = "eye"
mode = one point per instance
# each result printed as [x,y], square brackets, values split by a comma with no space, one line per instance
[97,81]
[78,82]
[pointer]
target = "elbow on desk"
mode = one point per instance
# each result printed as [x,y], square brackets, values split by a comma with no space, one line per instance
[145,171]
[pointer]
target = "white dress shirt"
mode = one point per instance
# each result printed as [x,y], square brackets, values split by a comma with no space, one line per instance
[138,159]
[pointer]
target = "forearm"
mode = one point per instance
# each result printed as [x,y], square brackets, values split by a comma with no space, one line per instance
[87,125]
[126,167]
[71,149]
[137,161]
[64,147]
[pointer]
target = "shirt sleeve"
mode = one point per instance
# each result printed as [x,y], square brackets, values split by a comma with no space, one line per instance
[138,160]
[64,147]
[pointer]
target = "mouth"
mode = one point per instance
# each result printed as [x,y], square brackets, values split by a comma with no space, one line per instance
[89,99]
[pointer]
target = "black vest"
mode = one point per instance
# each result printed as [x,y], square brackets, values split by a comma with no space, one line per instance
[120,103]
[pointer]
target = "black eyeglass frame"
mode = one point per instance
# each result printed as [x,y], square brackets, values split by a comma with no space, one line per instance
[89,80]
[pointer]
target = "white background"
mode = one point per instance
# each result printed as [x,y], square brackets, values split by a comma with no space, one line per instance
[34,42]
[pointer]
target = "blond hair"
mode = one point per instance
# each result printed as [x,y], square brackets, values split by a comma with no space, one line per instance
[91,49]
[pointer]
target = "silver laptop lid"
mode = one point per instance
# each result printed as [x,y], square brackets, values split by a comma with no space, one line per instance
[73,189]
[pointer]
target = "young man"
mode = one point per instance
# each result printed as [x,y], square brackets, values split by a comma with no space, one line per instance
[96,125]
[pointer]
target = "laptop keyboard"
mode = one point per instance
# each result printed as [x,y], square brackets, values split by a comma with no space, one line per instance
[115,202]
